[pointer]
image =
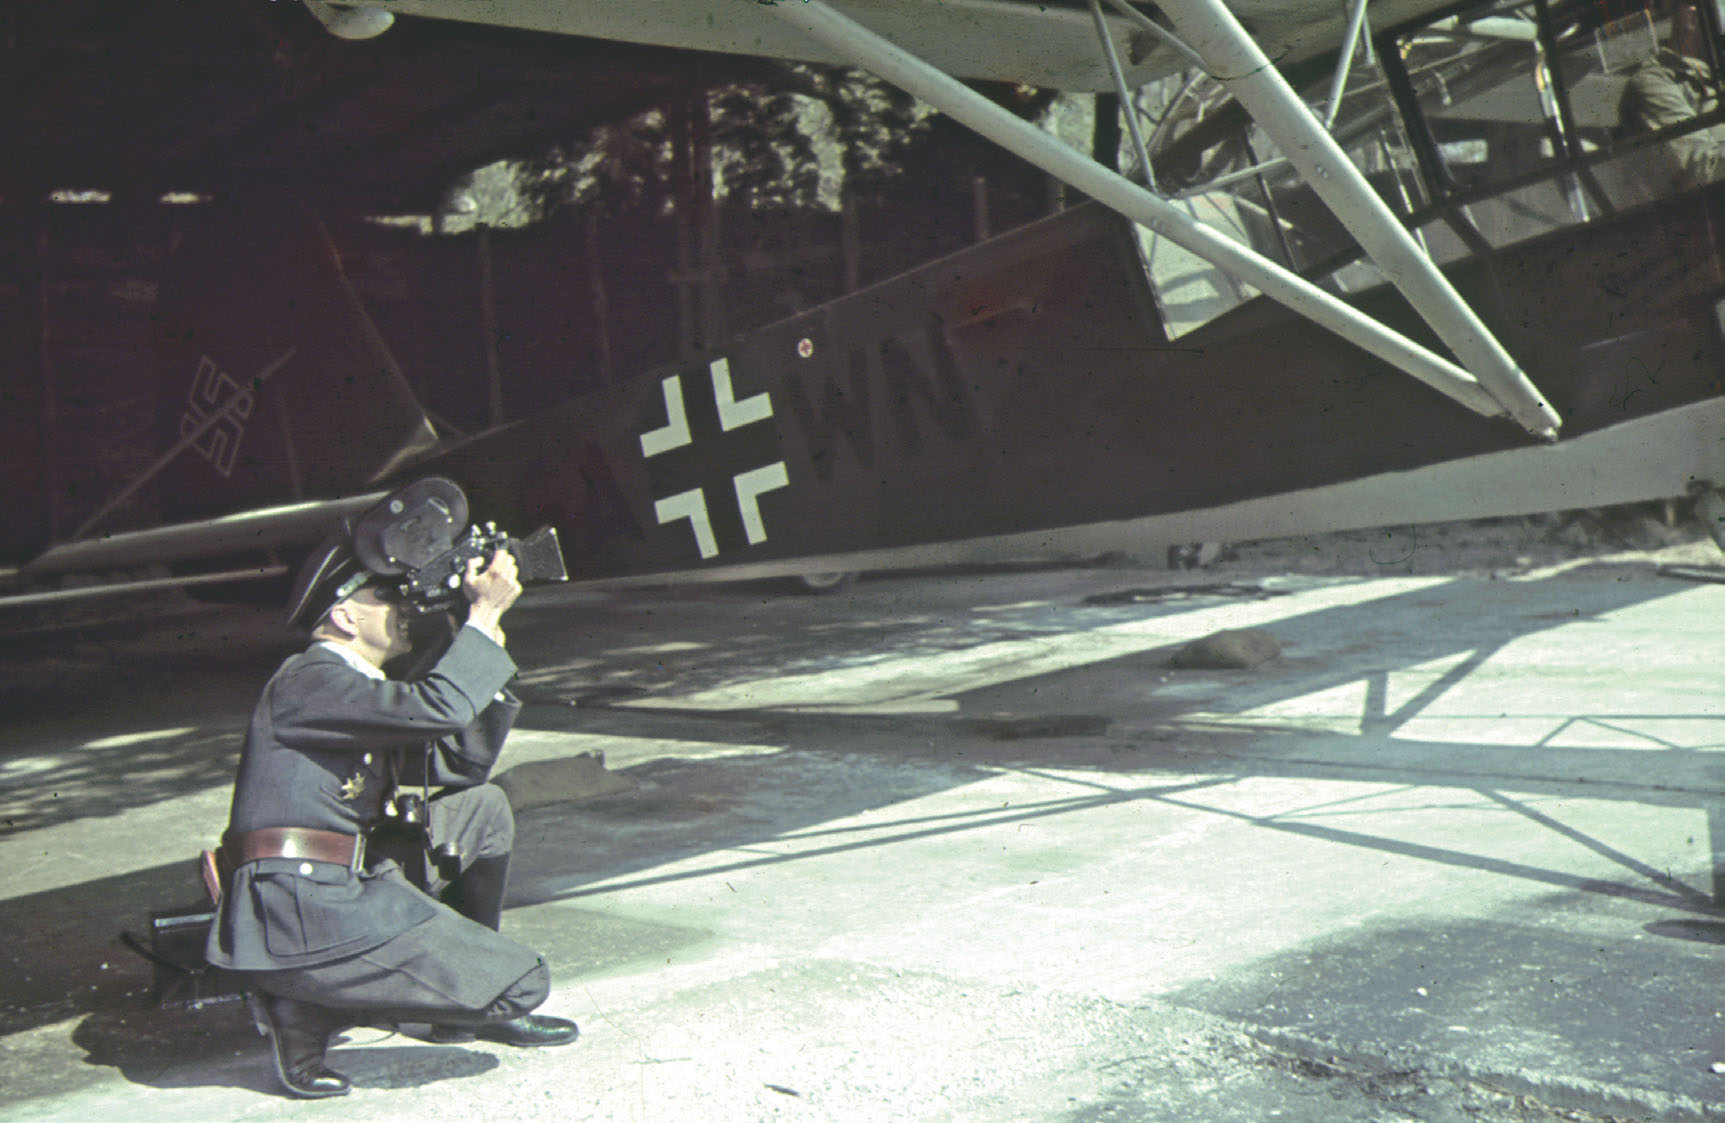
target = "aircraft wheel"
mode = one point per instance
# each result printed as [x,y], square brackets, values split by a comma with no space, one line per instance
[1710,509]
[823,583]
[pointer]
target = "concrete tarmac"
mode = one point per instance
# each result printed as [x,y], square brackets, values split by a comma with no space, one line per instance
[965,846]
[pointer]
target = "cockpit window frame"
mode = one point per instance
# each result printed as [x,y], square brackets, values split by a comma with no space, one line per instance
[1544,165]
[1449,201]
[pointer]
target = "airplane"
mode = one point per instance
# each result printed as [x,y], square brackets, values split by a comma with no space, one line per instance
[1393,263]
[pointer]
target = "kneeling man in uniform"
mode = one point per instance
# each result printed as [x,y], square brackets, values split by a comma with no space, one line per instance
[331,936]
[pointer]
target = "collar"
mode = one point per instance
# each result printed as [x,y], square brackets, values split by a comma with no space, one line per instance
[352,659]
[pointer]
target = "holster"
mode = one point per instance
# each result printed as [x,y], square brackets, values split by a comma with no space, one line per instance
[215,870]
[181,978]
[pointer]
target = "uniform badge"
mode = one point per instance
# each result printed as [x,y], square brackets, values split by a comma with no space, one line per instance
[353,786]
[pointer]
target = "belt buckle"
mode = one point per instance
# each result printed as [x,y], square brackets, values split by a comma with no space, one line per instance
[357,863]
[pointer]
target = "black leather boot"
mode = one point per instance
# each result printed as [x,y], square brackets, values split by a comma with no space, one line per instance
[529,1031]
[478,893]
[299,1035]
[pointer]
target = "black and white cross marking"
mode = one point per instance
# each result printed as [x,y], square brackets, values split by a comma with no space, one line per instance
[700,429]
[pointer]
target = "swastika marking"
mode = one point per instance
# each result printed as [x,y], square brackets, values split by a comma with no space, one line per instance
[212,391]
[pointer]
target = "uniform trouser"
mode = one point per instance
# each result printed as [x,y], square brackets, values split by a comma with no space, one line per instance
[449,969]
[379,986]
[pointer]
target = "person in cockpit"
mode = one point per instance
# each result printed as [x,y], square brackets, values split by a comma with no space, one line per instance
[1673,86]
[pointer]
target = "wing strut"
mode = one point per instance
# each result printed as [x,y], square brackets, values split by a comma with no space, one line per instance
[896,65]
[1345,61]
[1235,59]
[1118,73]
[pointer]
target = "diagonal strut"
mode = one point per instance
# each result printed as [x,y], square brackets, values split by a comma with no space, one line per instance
[1504,393]
[1236,60]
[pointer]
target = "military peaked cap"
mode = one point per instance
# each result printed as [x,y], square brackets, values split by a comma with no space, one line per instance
[330,575]
[409,528]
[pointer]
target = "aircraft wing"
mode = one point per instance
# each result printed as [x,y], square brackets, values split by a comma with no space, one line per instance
[1050,44]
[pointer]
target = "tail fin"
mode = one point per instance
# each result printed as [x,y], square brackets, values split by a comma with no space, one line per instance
[268,356]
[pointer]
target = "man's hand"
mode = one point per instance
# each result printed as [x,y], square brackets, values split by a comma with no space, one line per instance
[491,591]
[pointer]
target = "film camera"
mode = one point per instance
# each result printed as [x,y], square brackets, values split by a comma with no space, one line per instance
[415,538]
[415,541]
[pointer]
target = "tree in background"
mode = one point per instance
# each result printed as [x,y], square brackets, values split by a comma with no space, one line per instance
[781,136]
[758,190]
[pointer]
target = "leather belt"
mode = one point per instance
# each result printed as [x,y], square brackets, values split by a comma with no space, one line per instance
[295,842]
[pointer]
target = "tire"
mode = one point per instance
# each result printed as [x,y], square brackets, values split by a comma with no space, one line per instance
[822,584]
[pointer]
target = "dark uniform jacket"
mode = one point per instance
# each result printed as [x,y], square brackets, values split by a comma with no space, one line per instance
[318,754]
[1672,89]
